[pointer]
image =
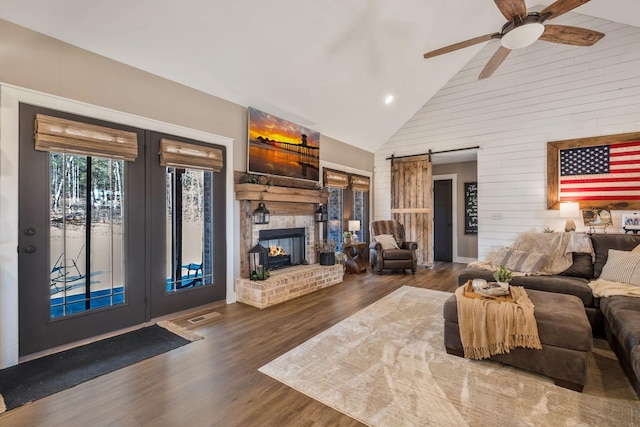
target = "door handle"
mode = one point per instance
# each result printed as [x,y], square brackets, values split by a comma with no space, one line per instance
[29,249]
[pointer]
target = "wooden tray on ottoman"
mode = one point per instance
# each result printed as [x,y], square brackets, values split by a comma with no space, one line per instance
[469,293]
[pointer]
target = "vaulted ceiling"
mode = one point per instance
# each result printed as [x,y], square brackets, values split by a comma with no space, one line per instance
[325,64]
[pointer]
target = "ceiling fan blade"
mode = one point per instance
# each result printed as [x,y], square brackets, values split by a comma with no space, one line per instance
[495,61]
[511,8]
[570,35]
[460,45]
[561,6]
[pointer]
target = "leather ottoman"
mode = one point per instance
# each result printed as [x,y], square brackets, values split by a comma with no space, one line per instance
[565,334]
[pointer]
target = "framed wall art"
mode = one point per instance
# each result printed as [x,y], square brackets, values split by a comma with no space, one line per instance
[599,172]
[280,147]
[470,208]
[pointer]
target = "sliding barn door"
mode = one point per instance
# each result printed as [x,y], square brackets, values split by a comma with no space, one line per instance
[412,203]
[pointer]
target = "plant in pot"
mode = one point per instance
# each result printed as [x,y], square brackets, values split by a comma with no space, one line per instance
[346,237]
[502,276]
[327,249]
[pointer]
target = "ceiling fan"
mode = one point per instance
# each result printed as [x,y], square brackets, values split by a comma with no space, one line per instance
[523,29]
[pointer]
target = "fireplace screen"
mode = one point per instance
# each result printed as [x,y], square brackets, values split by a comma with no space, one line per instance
[286,246]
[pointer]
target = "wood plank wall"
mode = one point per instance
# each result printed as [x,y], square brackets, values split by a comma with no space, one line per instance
[546,92]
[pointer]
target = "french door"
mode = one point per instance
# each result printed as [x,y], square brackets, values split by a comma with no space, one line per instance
[97,247]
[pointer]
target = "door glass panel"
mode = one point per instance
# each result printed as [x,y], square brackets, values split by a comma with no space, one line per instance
[334,228]
[189,229]
[360,210]
[85,218]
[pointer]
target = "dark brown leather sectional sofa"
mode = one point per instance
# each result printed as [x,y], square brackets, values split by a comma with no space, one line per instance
[616,317]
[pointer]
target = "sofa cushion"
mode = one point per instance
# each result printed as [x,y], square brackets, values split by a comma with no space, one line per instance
[582,266]
[560,284]
[387,241]
[603,242]
[515,260]
[623,267]
[623,316]
[401,254]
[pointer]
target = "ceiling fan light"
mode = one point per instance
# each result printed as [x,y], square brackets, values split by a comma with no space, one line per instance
[522,36]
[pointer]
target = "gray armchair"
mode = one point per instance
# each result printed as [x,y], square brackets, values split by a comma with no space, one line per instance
[383,254]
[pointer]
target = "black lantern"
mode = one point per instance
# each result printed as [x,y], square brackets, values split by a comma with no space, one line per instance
[261,214]
[321,214]
[259,263]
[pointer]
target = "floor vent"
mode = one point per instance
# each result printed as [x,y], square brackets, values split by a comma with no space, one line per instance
[203,317]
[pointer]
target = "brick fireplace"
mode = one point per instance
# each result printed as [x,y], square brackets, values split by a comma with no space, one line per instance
[290,208]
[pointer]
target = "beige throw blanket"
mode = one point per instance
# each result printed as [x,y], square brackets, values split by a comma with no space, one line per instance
[488,327]
[558,247]
[604,288]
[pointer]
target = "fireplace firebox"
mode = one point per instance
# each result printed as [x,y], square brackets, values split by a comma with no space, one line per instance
[286,246]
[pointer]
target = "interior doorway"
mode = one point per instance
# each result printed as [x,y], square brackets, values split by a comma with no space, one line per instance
[443,220]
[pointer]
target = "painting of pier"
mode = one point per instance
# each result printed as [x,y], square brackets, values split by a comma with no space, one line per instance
[280,147]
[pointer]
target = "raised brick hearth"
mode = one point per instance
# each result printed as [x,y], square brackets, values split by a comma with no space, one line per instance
[290,208]
[287,284]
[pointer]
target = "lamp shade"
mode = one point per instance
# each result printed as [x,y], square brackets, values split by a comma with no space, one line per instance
[569,210]
[354,225]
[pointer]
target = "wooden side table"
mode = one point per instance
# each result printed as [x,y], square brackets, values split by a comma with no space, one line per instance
[354,257]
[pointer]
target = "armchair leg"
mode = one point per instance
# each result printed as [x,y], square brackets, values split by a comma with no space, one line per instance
[379,271]
[413,271]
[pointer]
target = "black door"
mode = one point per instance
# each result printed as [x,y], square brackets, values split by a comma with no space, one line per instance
[82,241]
[187,234]
[442,219]
[106,244]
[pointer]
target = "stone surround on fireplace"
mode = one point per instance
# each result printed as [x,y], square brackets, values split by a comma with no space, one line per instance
[290,208]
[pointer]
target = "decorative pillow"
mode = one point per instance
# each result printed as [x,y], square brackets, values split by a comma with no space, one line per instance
[623,267]
[387,241]
[582,266]
[524,262]
[636,249]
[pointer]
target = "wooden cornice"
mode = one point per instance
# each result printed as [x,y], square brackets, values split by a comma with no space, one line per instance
[269,193]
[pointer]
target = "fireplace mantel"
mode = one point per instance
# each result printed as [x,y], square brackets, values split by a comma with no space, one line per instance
[269,193]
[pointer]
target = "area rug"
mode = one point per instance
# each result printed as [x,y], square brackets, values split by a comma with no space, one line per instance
[50,374]
[386,366]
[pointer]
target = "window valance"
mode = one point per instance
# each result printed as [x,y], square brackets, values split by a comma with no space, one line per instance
[359,183]
[73,137]
[335,179]
[185,155]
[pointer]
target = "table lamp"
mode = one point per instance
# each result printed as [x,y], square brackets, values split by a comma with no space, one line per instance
[569,210]
[354,226]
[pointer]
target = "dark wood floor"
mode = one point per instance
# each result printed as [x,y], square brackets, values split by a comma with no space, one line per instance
[215,382]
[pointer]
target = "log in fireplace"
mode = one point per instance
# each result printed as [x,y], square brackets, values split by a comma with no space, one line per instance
[286,246]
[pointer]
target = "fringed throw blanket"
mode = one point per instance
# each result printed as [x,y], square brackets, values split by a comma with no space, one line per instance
[488,327]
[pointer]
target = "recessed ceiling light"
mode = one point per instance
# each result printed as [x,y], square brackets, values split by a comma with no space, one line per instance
[389,99]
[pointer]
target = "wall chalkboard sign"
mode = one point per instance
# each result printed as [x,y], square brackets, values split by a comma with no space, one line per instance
[470,208]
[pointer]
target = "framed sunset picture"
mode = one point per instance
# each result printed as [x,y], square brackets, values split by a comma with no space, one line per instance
[280,147]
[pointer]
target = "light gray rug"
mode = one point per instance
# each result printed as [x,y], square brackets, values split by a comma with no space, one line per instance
[386,366]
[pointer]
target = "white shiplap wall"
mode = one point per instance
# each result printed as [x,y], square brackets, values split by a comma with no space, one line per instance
[546,92]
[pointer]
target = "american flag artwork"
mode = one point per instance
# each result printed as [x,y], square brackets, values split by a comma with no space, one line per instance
[604,172]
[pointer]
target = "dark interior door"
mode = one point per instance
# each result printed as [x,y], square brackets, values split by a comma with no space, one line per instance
[443,220]
[81,246]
